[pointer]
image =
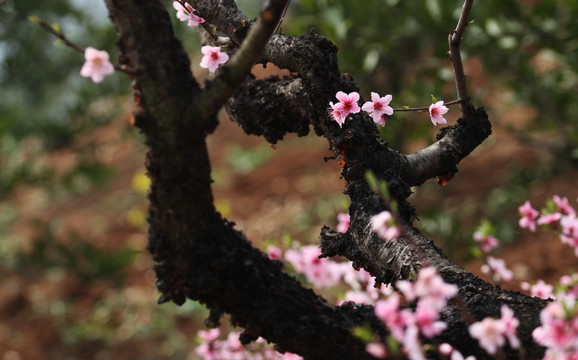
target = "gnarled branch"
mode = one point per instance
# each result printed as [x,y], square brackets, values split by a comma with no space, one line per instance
[200,256]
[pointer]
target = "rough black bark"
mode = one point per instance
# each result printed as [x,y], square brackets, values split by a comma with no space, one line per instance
[201,256]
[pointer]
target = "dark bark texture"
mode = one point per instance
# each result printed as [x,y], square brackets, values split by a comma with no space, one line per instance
[200,256]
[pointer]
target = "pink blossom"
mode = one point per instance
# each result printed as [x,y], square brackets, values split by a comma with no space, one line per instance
[209,335]
[569,234]
[563,205]
[549,219]
[556,354]
[407,288]
[511,323]
[378,107]
[431,286]
[213,57]
[358,297]
[559,331]
[490,334]
[406,325]
[487,242]
[338,116]
[433,293]
[446,349]
[529,215]
[456,355]
[208,352]
[566,280]
[231,349]
[96,65]
[394,318]
[303,257]
[540,289]
[376,349]
[354,278]
[497,267]
[426,318]
[347,105]
[233,342]
[412,347]
[384,226]
[187,13]
[287,356]
[344,221]
[319,271]
[570,284]
[209,347]
[436,112]
[274,252]
[363,285]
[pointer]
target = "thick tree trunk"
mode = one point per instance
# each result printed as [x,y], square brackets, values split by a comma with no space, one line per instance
[201,256]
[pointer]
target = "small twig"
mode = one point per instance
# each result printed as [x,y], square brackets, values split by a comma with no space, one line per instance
[206,26]
[58,34]
[64,40]
[426,108]
[282,17]
[454,39]
[210,31]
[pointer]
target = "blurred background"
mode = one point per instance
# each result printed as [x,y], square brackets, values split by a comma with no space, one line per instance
[75,279]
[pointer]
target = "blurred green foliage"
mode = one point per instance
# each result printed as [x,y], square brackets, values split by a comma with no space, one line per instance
[77,255]
[245,160]
[41,93]
[44,100]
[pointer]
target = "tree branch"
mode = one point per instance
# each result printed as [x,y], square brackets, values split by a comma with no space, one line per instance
[239,66]
[163,75]
[454,144]
[199,255]
[272,123]
[454,40]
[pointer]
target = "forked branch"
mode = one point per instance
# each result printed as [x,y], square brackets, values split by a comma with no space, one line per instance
[235,71]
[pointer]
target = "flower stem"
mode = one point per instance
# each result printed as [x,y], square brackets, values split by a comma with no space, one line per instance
[426,108]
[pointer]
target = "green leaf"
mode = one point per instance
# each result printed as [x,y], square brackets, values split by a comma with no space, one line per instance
[57,28]
[433,98]
[476,252]
[487,228]
[392,344]
[371,179]
[35,19]
[363,333]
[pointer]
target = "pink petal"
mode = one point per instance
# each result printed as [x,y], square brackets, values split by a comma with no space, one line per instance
[368,106]
[354,96]
[341,96]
